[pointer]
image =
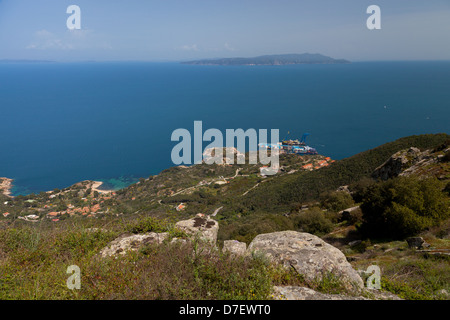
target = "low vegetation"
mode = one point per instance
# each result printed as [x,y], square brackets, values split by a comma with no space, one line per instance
[34,261]
[34,255]
[403,207]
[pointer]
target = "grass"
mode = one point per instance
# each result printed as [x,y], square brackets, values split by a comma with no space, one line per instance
[418,278]
[410,274]
[34,260]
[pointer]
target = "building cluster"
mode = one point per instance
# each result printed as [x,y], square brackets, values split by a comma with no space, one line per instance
[318,164]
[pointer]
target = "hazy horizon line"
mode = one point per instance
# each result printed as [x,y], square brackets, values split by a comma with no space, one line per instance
[186,60]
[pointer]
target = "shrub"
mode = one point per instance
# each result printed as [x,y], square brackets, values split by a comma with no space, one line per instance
[359,188]
[352,217]
[337,201]
[246,228]
[447,188]
[402,207]
[446,157]
[314,221]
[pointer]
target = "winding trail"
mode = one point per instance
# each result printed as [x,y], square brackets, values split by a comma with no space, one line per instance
[216,211]
[215,180]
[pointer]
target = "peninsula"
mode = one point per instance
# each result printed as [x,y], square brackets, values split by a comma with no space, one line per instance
[271,60]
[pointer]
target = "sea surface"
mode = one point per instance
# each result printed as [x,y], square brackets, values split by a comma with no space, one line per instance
[61,123]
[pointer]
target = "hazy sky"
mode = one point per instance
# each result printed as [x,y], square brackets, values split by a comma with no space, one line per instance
[159,30]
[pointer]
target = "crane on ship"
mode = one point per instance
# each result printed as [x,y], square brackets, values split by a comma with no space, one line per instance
[303,139]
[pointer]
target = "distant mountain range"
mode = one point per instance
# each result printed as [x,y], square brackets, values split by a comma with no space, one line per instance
[271,60]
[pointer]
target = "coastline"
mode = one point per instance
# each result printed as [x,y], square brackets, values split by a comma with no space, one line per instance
[5,186]
[96,185]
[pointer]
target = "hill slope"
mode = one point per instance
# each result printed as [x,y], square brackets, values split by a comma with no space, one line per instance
[237,189]
[282,193]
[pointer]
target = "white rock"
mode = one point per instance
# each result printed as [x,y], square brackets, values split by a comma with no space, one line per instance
[201,226]
[235,247]
[309,255]
[125,243]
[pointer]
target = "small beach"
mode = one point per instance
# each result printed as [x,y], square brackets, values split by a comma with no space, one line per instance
[5,186]
[96,185]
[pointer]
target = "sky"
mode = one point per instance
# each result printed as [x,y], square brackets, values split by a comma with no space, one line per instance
[174,30]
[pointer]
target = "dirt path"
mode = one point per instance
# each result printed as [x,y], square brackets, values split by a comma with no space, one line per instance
[213,181]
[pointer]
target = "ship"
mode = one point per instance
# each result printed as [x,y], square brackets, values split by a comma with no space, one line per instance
[292,146]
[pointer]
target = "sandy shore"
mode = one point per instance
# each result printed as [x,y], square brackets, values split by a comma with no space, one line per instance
[5,186]
[96,184]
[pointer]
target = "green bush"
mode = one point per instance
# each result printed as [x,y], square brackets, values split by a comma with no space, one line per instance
[246,228]
[337,201]
[359,188]
[402,207]
[446,157]
[313,221]
[146,224]
[447,188]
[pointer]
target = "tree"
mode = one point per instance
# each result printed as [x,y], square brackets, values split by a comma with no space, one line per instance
[313,221]
[403,206]
[337,201]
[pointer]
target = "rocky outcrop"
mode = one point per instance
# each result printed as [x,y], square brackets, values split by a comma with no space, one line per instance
[397,163]
[234,247]
[411,162]
[200,226]
[302,293]
[416,243]
[309,255]
[128,242]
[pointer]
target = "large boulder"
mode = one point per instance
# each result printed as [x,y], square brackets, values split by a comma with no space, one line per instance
[397,163]
[236,248]
[200,226]
[416,243]
[128,242]
[302,293]
[309,255]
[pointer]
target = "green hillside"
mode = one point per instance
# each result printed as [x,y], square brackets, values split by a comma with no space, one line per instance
[43,234]
[281,194]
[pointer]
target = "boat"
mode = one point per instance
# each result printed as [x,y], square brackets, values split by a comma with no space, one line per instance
[291,147]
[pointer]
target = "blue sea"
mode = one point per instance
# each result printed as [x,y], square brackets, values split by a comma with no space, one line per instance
[62,123]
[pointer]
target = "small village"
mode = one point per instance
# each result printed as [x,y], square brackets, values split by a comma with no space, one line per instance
[85,199]
[88,201]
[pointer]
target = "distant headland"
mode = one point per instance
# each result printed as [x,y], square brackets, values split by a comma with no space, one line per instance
[271,60]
